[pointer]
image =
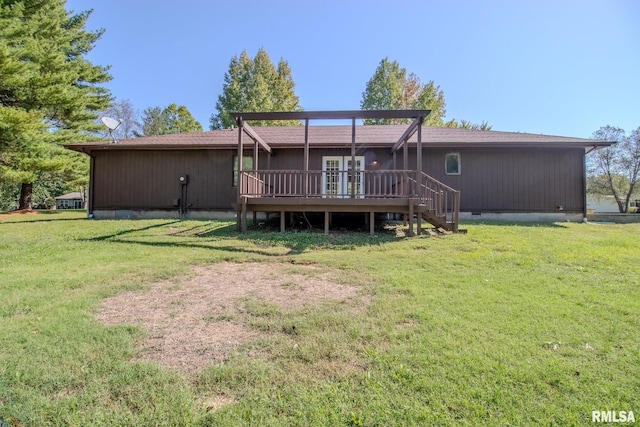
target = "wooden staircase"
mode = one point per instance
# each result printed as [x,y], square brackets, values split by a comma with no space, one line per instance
[439,204]
[438,221]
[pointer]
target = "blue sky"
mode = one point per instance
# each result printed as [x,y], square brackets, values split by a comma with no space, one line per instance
[539,66]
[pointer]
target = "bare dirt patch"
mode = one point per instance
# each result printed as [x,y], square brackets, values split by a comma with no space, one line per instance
[198,321]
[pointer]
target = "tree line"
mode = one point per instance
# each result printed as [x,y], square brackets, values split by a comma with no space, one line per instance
[51,95]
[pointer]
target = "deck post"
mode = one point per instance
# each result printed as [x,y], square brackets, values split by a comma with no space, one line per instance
[456,210]
[372,222]
[243,216]
[419,154]
[419,189]
[352,170]
[405,166]
[240,126]
[306,158]
[410,217]
[282,220]
[255,157]
[239,160]
[405,155]
[326,222]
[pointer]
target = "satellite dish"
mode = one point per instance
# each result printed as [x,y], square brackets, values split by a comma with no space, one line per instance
[112,124]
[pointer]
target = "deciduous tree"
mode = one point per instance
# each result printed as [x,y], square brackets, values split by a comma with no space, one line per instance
[168,120]
[615,170]
[128,115]
[49,91]
[464,124]
[391,88]
[255,85]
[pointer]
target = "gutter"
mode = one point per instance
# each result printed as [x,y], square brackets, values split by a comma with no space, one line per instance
[340,145]
[597,146]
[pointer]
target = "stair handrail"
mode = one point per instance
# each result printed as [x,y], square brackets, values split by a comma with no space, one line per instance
[435,195]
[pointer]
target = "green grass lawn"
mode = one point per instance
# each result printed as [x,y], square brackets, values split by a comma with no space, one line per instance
[504,325]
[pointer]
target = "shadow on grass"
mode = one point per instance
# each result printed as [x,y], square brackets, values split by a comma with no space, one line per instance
[213,235]
[297,241]
[192,245]
[129,231]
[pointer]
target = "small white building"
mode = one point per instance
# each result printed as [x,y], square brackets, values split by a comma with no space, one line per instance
[70,201]
[607,204]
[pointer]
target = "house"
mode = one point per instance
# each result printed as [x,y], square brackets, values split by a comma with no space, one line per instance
[70,201]
[608,204]
[435,174]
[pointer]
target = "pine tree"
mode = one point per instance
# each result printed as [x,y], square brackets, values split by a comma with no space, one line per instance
[49,93]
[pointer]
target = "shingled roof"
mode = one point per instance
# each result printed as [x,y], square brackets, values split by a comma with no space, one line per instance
[340,136]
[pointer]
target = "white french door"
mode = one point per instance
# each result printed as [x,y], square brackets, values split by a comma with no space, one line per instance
[336,180]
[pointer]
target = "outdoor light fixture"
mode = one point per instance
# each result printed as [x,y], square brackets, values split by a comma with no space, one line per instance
[370,158]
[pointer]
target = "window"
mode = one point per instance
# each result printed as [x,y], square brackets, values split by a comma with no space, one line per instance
[452,164]
[247,165]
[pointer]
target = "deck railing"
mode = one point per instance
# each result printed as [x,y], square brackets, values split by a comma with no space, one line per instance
[437,198]
[329,184]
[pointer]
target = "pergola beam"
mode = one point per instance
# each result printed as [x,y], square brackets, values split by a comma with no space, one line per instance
[332,115]
[417,115]
[254,135]
[407,134]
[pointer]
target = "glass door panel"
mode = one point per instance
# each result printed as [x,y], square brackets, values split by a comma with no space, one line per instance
[337,181]
[331,177]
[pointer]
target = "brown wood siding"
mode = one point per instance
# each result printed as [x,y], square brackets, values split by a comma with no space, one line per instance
[513,180]
[491,179]
[149,179]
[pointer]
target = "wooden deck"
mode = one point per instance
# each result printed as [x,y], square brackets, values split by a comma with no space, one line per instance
[398,191]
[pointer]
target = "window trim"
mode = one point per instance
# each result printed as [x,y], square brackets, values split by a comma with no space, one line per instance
[446,156]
